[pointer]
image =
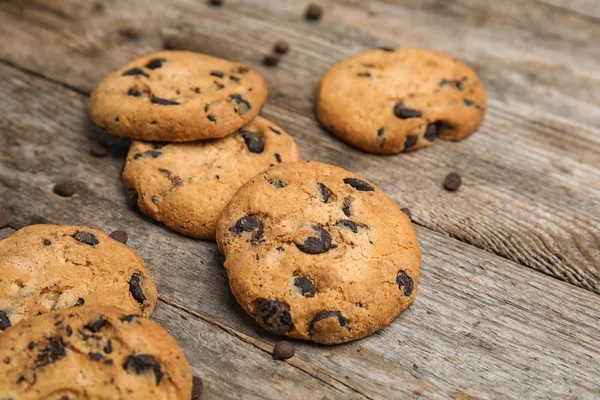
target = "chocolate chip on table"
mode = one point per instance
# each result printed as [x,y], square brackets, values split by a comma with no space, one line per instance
[249,224]
[197,388]
[98,150]
[171,43]
[281,47]
[254,140]
[216,3]
[403,112]
[155,63]
[305,285]
[119,236]
[163,102]
[342,321]
[359,184]
[134,72]
[411,140]
[5,218]
[316,245]
[313,12]
[141,363]
[406,211]
[283,350]
[4,320]
[271,60]
[274,316]
[136,289]
[405,283]
[86,237]
[452,182]
[64,189]
[129,32]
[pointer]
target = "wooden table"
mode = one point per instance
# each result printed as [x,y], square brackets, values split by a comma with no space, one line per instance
[509,298]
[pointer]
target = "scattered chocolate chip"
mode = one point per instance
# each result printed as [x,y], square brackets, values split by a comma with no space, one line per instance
[64,189]
[359,184]
[119,236]
[406,211]
[277,183]
[216,3]
[218,74]
[54,351]
[403,112]
[283,350]
[278,157]
[386,48]
[95,356]
[108,347]
[136,289]
[313,12]
[452,182]
[129,318]
[363,74]
[316,245]
[171,43]
[129,32]
[324,192]
[275,130]
[141,363]
[80,301]
[431,132]
[135,71]
[5,218]
[197,388]
[131,198]
[346,223]
[249,224]
[346,207]
[98,150]
[254,140]
[156,63]
[86,237]
[411,140]
[47,242]
[4,320]
[133,92]
[305,285]
[97,325]
[242,106]
[274,316]
[271,60]
[163,102]
[342,321]
[281,47]
[405,283]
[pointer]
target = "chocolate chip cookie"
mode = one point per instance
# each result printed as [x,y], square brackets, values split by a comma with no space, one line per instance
[50,267]
[315,252]
[388,101]
[92,352]
[187,185]
[177,96]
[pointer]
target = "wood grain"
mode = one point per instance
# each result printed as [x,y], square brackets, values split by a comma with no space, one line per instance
[531,174]
[482,327]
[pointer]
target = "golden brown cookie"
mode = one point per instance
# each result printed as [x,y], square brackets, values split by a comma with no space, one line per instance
[177,96]
[92,353]
[187,185]
[315,252]
[51,267]
[388,101]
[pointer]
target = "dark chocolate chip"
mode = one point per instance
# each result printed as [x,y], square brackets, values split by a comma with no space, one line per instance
[281,47]
[459,84]
[80,301]
[234,78]
[364,74]
[452,182]
[316,245]
[47,242]
[97,325]
[4,320]
[403,112]
[31,345]
[471,103]
[254,140]
[277,183]
[117,119]
[277,132]
[283,350]
[278,157]
[218,85]
[249,224]
[141,363]
[176,181]
[119,236]
[324,192]
[197,90]
[64,189]
[148,153]
[386,48]
[431,132]
[346,223]
[313,12]
[133,92]
[5,218]
[381,131]
[129,32]
[274,316]
[136,289]
[216,3]
[86,237]
[359,184]
[129,318]
[346,207]
[218,74]
[108,347]
[135,71]
[411,140]
[95,356]
[197,388]
[171,43]
[405,283]
[211,118]
[406,211]
[54,351]
[156,63]
[241,105]
[242,69]
[163,102]
[98,150]
[342,321]
[305,285]
[271,60]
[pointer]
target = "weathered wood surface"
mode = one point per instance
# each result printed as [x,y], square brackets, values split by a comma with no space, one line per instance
[531,174]
[482,327]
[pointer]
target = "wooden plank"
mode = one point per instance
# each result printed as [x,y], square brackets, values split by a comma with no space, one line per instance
[531,188]
[586,8]
[481,326]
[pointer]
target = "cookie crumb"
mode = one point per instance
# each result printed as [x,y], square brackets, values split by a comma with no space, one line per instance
[452,182]
[98,150]
[171,43]
[64,189]
[281,47]
[283,350]
[271,60]
[313,12]
[119,236]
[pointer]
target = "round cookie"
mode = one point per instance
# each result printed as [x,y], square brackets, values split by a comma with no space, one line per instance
[388,101]
[50,267]
[177,96]
[187,185]
[92,353]
[315,252]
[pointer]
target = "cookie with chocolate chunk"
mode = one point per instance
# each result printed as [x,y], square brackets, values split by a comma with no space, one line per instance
[50,267]
[388,101]
[177,96]
[323,256]
[92,352]
[187,185]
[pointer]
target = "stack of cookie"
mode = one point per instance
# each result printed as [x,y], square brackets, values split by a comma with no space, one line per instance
[197,134]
